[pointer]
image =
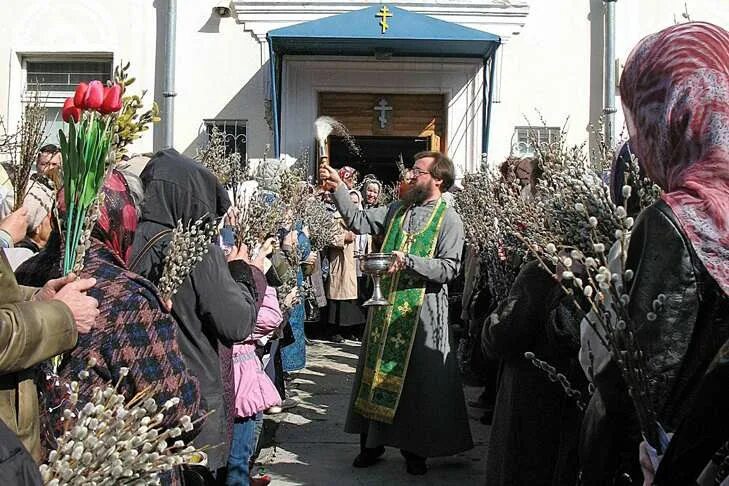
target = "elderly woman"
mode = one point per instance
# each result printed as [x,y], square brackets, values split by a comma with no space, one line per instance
[345,314]
[675,94]
[371,191]
[216,304]
[132,330]
[39,203]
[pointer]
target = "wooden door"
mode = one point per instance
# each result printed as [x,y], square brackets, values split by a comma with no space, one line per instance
[420,115]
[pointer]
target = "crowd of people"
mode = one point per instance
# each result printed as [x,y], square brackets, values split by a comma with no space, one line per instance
[223,346]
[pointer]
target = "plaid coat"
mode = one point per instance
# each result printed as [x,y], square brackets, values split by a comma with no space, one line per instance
[133,331]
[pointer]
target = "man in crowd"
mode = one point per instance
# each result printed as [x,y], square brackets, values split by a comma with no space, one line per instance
[49,158]
[407,392]
[35,325]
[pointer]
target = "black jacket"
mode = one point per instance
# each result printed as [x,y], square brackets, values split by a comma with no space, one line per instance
[17,467]
[679,345]
[212,308]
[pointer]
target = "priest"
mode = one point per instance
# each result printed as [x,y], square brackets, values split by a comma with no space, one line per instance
[407,391]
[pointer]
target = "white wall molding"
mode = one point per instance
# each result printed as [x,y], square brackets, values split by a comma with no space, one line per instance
[501,17]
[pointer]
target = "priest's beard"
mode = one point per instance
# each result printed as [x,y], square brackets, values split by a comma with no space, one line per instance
[416,195]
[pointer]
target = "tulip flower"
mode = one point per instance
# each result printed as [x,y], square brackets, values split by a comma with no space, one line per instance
[70,111]
[94,95]
[112,100]
[80,95]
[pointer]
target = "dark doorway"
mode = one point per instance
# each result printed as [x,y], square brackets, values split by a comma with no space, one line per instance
[379,155]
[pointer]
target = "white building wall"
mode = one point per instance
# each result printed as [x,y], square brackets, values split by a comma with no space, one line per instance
[551,62]
[554,66]
[126,30]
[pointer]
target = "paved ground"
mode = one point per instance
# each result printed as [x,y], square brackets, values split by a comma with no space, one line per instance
[309,447]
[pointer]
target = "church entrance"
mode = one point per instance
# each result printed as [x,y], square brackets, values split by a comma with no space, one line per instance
[385,126]
[378,155]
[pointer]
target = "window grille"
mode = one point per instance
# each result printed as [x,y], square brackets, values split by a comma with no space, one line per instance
[526,136]
[56,79]
[234,132]
[64,74]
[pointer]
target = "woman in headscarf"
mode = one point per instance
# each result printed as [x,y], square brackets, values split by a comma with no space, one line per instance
[371,191]
[293,346]
[39,203]
[675,94]
[216,304]
[133,330]
[345,314]
[349,176]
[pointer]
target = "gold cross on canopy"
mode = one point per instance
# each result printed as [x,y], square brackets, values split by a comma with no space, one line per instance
[384,13]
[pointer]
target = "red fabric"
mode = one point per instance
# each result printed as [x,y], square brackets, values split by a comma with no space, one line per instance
[347,173]
[118,219]
[675,92]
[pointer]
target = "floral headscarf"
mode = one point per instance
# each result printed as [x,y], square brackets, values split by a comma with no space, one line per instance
[348,175]
[675,92]
[118,219]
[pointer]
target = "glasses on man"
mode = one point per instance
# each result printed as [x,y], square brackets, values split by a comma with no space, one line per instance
[416,172]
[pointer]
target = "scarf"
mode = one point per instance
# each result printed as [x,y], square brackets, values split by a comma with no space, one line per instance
[675,93]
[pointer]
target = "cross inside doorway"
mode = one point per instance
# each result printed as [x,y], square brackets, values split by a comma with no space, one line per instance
[384,13]
[383,107]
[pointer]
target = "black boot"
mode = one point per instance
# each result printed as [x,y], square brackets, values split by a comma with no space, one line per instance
[414,464]
[367,455]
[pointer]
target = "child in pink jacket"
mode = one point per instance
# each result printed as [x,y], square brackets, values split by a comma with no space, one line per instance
[254,391]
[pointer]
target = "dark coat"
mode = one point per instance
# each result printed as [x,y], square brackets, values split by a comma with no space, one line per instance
[679,345]
[17,467]
[535,425]
[211,307]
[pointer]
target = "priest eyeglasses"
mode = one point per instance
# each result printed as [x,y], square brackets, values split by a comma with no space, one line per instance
[416,172]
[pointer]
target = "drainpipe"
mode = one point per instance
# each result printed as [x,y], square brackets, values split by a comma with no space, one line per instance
[609,110]
[168,91]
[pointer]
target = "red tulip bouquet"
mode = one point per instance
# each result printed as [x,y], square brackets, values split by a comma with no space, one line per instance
[91,116]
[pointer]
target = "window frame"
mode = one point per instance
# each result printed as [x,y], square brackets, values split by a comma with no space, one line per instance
[209,123]
[522,145]
[55,98]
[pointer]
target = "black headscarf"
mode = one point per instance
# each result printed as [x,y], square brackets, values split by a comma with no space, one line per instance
[175,188]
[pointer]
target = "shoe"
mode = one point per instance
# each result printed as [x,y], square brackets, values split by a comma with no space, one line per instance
[368,456]
[414,464]
[260,481]
[289,403]
[273,410]
[336,338]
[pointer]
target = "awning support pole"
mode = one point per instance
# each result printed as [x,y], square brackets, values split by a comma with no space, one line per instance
[486,106]
[274,100]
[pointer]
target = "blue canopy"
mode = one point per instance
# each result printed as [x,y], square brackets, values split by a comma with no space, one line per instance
[359,33]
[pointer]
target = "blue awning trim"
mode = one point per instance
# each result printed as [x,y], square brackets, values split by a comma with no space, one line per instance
[359,33]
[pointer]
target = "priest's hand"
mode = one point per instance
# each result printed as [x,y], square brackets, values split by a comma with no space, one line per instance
[329,177]
[398,262]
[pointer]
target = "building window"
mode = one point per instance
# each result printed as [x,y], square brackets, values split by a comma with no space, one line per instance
[64,75]
[55,79]
[234,132]
[525,138]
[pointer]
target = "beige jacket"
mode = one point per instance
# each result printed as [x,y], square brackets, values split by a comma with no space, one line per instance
[342,282]
[30,332]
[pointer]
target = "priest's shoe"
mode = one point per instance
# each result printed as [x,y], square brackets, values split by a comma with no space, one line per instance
[368,456]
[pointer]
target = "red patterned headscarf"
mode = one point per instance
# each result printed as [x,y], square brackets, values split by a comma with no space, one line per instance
[348,175]
[675,92]
[118,219]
